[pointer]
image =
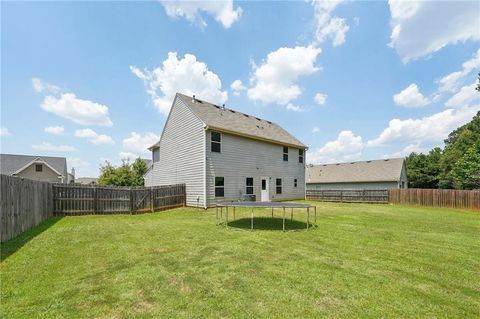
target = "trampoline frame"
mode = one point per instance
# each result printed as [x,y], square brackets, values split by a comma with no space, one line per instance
[272,205]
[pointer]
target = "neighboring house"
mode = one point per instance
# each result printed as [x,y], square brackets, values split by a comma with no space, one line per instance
[86,180]
[40,168]
[221,155]
[376,174]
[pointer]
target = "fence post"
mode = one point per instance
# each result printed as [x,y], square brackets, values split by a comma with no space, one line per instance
[94,199]
[151,199]
[131,200]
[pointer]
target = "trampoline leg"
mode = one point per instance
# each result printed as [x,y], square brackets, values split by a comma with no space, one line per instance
[308,216]
[272,212]
[233,212]
[221,214]
[251,224]
[283,218]
[291,214]
[226,218]
[216,214]
[315,212]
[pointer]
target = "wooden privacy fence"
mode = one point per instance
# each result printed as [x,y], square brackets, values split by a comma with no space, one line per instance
[449,198]
[24,204]
[352,196]
[77,200]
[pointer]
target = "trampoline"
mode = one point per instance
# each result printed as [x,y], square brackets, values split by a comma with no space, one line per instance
[252,205]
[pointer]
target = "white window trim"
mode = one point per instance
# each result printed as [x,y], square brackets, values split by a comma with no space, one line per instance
[212,141]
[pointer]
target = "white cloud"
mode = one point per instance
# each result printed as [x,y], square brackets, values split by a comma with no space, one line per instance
[222,11]
[237,86]
[420,28]
[320,98]
[275,80]
[410,97]
[315,129]
[346,147]
[294,108]
[47,147]
[82,167]
[465,96]
[80,111]
[39,86]
[4,132]
[56,130]
[327,26]
[426,132]
[186,75]
[407,150]
[137,145]
[94,137]
[452,81]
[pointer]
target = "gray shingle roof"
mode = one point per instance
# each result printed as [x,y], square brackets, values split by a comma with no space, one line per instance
[365,171]
[10,163]
[234,122]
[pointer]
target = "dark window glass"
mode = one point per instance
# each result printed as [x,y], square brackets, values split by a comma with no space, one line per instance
[285,153]
[216,142]
[249,185]
[219,186]
[300,156]
[38,167]
[295,182]
[279,185]
[264,184]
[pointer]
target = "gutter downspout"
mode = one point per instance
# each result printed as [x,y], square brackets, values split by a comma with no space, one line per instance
[205,128]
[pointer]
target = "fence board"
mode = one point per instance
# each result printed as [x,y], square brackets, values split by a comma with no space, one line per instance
[449,198]
[351,196]
[24,204]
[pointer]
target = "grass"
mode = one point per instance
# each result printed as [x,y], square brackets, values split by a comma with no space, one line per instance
[361,261]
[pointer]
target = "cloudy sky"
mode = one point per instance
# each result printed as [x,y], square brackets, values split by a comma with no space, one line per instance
[94,81]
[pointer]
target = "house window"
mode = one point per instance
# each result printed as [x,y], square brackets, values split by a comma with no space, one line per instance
[295,183]
[156,155]
[216,142]
[300,156]
[285,154]
[219,186]
[279,185]
[264,184]
[249,185]
[38,167]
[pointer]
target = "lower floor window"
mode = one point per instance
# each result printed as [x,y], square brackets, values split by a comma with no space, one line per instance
[279,185]
[219,186]
[295,182]
[249,185]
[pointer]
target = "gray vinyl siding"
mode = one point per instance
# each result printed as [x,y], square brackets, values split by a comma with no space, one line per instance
[46,175]
[339,186]
[181,157]
[242,157]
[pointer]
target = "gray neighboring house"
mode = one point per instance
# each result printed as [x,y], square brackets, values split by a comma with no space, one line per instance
[222,154]
[39,168]
[375,174]
[86,180]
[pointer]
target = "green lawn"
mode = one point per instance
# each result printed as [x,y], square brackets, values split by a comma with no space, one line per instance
[362,261]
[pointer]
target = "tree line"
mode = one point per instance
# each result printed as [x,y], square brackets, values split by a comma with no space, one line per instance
[456,166]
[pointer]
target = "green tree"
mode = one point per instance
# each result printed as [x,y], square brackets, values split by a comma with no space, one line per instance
[466,172]
[124,175]
[424,169]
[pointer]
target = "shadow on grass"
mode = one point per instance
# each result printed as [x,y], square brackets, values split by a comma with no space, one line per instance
[268,223]
[11,246]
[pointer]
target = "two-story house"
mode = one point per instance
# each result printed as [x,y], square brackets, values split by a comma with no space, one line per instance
[222,154]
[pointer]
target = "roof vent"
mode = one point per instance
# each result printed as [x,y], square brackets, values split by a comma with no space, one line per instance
[386,160]
[223,106]
[337,164]
[246,115]
[369,161]
[269,122]
[193,99]
[258,119]
[232,111]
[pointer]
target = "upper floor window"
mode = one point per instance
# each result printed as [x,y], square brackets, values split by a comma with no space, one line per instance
[156,155]
[38,167]
[285,153]
[216,142]
[295,183]
[249,185]
[279,186]
[300,156]
[219,186]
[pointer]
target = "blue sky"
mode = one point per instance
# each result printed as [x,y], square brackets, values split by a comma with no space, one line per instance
[92,81]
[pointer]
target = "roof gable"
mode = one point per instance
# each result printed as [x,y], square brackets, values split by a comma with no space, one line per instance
[11,163]
[356,172]
[227,120]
